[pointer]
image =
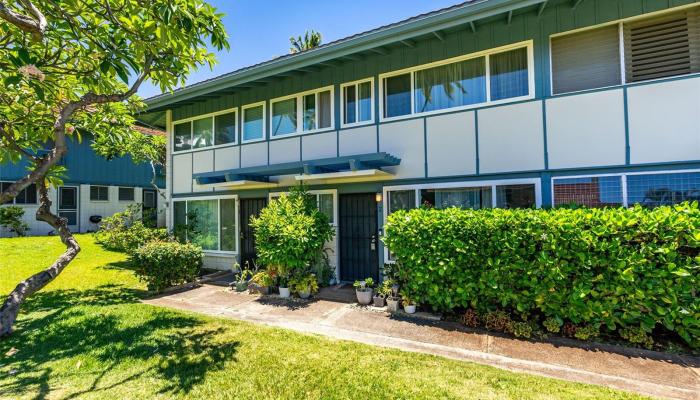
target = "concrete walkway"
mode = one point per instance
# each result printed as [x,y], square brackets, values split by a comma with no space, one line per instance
[645,372]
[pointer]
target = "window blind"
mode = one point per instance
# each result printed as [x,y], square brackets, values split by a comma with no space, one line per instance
[586,60]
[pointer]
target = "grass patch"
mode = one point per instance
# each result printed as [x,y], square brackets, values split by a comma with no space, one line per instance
[86,336]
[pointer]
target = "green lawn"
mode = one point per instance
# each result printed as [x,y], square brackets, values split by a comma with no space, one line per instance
[87,336]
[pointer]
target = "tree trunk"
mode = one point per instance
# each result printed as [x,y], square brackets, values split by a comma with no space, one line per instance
[11,306]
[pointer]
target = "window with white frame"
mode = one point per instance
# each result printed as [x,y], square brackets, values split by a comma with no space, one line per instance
[650,189]
[358,102]
[126,194]
[324,199]
[209,223]
[201,132]
[634,50]
[99,193]
[253,125]
[304,112]
[481,78]
[25,196]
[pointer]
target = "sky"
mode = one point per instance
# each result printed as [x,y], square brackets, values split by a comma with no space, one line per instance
[260,30]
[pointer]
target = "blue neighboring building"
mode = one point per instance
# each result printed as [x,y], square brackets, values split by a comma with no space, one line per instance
[93,186]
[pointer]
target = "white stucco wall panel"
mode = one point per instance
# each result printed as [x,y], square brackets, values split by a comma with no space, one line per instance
[511,138]
[362,140]
[405,140]
[451,144]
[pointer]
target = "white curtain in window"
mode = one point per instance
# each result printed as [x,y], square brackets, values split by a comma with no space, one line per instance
[452,85]
[509,76]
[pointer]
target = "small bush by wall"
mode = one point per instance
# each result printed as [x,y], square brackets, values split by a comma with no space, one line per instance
[619,269]
[125,231]
[165,264]
[11,218]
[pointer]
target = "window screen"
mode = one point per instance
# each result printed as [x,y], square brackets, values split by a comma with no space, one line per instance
[126,194]
[586,60]
[652,190]
[599,191]
[99,193]
[225,128]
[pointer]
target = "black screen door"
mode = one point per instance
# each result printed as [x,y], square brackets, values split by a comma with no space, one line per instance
[358,237]
[149,207]
[249,207]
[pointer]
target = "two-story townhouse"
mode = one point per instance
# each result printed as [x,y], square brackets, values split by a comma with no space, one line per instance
[494,103]
[93,188]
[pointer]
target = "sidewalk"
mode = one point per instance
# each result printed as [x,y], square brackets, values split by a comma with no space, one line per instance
[645,372]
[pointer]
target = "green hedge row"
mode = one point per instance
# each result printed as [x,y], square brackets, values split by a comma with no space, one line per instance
[617,268]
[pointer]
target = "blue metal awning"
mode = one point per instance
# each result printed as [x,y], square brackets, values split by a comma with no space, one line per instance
[320,167]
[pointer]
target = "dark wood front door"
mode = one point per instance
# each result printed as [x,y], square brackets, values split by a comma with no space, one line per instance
[249,207]
[358,237]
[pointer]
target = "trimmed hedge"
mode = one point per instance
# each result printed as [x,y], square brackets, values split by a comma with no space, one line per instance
[616,268]
[165,264]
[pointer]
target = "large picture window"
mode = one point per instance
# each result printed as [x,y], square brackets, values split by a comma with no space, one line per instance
[482,78]
[305,112]
[212,130]
[209,223]
[637,50]
[646,189]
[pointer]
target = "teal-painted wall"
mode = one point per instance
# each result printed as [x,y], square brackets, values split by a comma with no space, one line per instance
[86,167]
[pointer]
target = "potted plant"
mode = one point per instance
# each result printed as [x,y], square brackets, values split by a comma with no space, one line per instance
[262,282]
[363,291]
[304,285]
[284,286]
[240,283]
[409,305]
[393,300]
[383,292]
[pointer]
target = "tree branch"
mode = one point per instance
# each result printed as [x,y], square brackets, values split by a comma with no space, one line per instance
[34,24]
[11,142]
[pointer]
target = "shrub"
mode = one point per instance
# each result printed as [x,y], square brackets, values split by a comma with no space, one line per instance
[125,231]
[262,279]
[498,321]
[165,264]
[553,325]
[290,233]
[616,267]
[637,335]
[586,332]
[522,329]
[11,218]
[470,318]
[303,282]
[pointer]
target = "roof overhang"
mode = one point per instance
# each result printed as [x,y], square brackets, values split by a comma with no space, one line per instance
[361,167]
[466,15]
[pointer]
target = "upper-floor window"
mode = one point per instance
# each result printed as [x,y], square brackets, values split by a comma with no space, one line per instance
[629,51]
[303,112]
[99,193]
[212,130]
[493,76]
[126,194]
[27,195]
[253,122]
[358,102]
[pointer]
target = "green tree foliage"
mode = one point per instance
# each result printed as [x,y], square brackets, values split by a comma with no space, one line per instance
[11,218]
[613,268]
[75,65]
[290,233]
[310,40]
[125,231]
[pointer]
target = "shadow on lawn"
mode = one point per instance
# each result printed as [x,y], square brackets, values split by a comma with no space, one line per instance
[151,342]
